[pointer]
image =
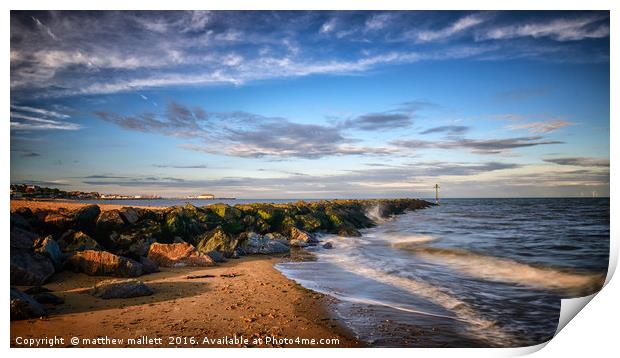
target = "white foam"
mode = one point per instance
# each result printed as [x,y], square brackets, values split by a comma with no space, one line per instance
[476,325]
[506,270]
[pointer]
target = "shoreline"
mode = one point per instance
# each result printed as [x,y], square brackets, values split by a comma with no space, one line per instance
[258,302]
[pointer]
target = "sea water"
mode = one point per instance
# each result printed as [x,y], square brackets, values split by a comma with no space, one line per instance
[470,272]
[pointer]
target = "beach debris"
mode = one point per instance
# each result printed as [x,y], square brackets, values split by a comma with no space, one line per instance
[178,255]
[72,241]
[109,289]
[103,263]
[193,277]
[231,275]
[30,268]
[48,247]
[23,306]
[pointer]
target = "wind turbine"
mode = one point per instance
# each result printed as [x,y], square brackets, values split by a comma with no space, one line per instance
[436,194]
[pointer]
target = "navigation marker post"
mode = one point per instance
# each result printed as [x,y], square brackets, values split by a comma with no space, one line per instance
[436,194]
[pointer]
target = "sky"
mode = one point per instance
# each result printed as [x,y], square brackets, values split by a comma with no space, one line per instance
[318,104]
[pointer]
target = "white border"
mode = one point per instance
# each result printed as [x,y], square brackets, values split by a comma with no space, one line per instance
[593,330]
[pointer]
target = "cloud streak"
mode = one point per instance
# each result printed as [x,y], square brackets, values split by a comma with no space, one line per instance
[580,162]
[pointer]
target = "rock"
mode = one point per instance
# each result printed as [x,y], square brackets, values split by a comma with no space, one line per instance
[217,239]
[349,232]
[178,255]
[328,245]
[130,215]
[257,244]
[30,268]
[298,243]
[86,216]
[36,289]
[302,236]
[229,216]
[48,247]
[109,221]
[121,289]
[58,222]
[309,222]
[22,239]
[72,241]
[136,241]
[24,307]
[216,256]
[48,298]
[148,265]
[103,263]
[187,222]
[19,221]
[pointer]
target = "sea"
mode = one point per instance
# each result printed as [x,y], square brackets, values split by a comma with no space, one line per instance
[466,273]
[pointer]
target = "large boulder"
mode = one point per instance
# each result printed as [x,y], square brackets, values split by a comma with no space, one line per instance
[86,216]
[259,244]
[308,222]
[186,222]
[103,263]
[178,255]
[229,217]
[108,221]
[219,240]
[22,239]
[72,241]
[301,238]
[130,215]
[30,268]
[58,222]
[19,221]
[24,307]
[48,247]
[121,289]
[136,242]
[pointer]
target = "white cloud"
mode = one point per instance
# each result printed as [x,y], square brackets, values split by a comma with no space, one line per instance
[25,122]
[328,26]
[559,29]
[541,127]
[44,112]
[458,26]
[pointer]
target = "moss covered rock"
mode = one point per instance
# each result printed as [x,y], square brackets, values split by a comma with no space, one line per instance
[217,240]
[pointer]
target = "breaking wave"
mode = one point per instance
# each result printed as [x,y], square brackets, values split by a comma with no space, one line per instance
[506,270]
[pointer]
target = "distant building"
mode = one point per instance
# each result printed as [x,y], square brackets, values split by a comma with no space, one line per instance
[205,196]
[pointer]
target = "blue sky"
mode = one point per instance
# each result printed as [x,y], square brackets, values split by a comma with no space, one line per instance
[317,104]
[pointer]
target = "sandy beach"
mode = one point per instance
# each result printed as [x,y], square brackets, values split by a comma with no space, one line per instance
[58,204]
[246,297]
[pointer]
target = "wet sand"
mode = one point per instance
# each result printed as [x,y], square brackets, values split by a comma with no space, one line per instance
[252,299]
